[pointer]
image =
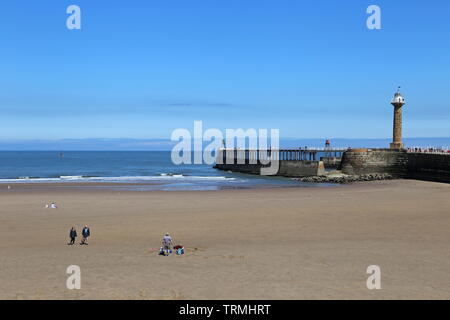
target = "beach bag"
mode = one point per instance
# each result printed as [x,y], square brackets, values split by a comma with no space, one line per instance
[161,252]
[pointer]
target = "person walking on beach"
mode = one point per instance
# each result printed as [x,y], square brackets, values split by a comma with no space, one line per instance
[72,235]
[86,232]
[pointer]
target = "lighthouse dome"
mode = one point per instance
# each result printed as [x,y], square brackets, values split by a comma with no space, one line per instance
[398,98]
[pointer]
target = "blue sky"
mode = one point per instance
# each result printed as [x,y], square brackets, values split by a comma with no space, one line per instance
[142,68]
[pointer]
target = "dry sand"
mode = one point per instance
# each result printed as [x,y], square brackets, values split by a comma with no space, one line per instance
[293,243]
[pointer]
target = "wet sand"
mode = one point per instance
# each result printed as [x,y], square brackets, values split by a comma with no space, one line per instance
[293,243]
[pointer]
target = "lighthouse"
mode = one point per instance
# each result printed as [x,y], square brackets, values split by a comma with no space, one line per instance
[398,103]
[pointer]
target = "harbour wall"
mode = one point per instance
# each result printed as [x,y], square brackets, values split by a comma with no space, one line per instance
[286,168]
[420,166]
[398,163]
[366,161]
[429,166]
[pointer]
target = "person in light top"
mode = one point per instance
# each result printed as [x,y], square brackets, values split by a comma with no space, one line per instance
[167,242]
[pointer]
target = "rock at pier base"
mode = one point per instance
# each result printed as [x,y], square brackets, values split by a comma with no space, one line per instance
[345,178]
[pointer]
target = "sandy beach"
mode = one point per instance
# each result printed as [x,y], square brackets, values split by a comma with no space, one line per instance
[284,243]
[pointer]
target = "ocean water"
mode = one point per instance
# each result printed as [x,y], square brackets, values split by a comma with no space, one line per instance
[153,170]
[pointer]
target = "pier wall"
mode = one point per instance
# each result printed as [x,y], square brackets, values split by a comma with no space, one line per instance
[287,168]
[331,162]
[421,166]
[399,163]
[429,166]
[366,161]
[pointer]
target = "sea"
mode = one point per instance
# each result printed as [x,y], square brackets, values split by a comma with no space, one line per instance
[131,170]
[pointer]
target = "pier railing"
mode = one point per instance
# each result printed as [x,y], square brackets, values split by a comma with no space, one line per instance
[242,156]
[433,150]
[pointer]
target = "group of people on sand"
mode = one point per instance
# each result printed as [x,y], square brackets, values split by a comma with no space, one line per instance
[167,246]
[51,206]
[166,249]
[86,232]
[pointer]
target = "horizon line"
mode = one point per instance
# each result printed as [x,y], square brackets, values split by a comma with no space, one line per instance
[167,139]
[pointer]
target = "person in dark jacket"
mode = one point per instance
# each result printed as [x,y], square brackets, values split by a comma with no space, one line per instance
[86,232]
[72,235]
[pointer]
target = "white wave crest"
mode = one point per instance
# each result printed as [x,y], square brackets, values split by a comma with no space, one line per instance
[174,177]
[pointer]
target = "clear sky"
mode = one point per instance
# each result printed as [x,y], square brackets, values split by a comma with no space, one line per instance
[142,68]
